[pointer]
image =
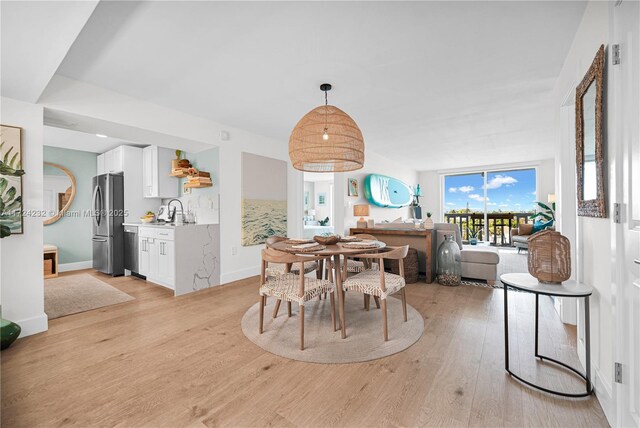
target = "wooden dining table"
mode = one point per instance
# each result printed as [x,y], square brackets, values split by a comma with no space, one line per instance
[335,251]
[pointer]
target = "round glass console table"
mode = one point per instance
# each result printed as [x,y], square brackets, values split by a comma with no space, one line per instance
[571,288]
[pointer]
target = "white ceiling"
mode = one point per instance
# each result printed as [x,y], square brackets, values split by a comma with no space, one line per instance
[36,35]
[431,84]
[68,139]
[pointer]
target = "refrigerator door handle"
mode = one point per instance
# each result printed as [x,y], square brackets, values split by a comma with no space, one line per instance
[99,240]
[99,204]
[95,206]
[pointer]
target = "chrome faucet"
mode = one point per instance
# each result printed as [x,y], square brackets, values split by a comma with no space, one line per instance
[175,209]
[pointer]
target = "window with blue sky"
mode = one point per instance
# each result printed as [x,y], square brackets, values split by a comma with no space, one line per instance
[507,191]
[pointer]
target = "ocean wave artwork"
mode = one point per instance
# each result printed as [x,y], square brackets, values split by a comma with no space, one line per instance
[261,219]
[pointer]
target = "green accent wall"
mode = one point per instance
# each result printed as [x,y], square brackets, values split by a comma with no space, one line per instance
[72,235]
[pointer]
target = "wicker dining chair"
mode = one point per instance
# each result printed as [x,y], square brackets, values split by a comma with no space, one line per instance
[356,266]
[276,269]
[379,283]
[291,287]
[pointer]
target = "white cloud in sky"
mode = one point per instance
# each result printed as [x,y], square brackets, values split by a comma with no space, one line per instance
[491,203]
[501,180]
[504,205]
[533,193]
[450,203]
[463,189]
[476,197]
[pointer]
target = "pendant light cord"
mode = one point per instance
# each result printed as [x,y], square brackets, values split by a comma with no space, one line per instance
[326,110]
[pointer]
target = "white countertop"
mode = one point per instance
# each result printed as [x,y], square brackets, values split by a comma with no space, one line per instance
[166,225]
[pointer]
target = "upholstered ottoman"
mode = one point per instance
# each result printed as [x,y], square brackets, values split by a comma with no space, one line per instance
[480,262]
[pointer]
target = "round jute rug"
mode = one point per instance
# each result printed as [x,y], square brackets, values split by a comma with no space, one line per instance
[364,342]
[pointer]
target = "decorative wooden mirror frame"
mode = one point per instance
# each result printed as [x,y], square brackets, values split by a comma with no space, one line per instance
[593,207]
[64,209]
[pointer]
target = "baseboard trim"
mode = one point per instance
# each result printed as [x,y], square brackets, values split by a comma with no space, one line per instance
[66,267]
[239,274]
[604,394]
[33,325]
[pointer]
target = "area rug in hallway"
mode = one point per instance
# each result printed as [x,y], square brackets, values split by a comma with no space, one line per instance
[71,294]
[364,340]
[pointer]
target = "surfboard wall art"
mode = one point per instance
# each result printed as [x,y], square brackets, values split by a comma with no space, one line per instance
[387,192]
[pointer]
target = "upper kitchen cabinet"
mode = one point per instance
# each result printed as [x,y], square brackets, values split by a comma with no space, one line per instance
[111,161]
[126,160]
[156,165]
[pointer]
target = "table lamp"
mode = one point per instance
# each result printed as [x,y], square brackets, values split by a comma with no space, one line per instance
[362,211]
[551,198]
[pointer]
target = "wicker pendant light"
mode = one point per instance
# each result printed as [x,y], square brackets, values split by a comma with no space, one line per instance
[326,140]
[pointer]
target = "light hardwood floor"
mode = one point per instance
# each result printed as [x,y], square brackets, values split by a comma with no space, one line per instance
[165,361]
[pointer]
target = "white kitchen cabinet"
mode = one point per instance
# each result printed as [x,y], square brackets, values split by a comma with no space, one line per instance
[156,167]
[182,258]
[126,160]
[144,255]
[101,168]
[166,261]
[156,255]
[113,161]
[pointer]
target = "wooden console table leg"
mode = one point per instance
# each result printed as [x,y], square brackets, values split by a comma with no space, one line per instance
[429,259]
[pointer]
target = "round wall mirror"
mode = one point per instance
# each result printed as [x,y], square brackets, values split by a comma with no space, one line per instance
[59,191]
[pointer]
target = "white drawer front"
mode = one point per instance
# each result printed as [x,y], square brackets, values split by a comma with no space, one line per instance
[165,233]
[147,232]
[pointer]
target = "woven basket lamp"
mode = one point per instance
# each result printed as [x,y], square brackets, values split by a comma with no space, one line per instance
[326,140]
[549,257]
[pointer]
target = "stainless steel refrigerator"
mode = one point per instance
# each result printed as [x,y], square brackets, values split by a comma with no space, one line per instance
[108,216]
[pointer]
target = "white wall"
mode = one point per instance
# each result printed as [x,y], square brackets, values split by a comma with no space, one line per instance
[21,282]
[430,182]
[592,237]
[236,261]
[373,164]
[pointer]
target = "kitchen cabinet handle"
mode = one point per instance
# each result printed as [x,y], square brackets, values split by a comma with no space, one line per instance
[636,261]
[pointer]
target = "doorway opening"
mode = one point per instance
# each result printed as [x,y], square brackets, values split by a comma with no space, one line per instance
[318,217]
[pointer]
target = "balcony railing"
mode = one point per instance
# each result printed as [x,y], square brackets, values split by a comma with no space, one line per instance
[499,225]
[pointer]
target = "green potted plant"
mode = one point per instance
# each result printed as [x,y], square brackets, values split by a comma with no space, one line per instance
[473,232]
[545,213]
[428,222]
[174,162]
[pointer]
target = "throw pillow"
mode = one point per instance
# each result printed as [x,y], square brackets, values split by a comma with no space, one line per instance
[525,229]
[539,226]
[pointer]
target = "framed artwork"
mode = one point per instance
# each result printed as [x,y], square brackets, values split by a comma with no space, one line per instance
[352,187]
[11,173]
[322,198]
[264,199]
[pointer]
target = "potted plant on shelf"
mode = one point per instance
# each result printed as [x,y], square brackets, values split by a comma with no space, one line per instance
[180,163]
[174,162]
[428,222]
[473,233]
